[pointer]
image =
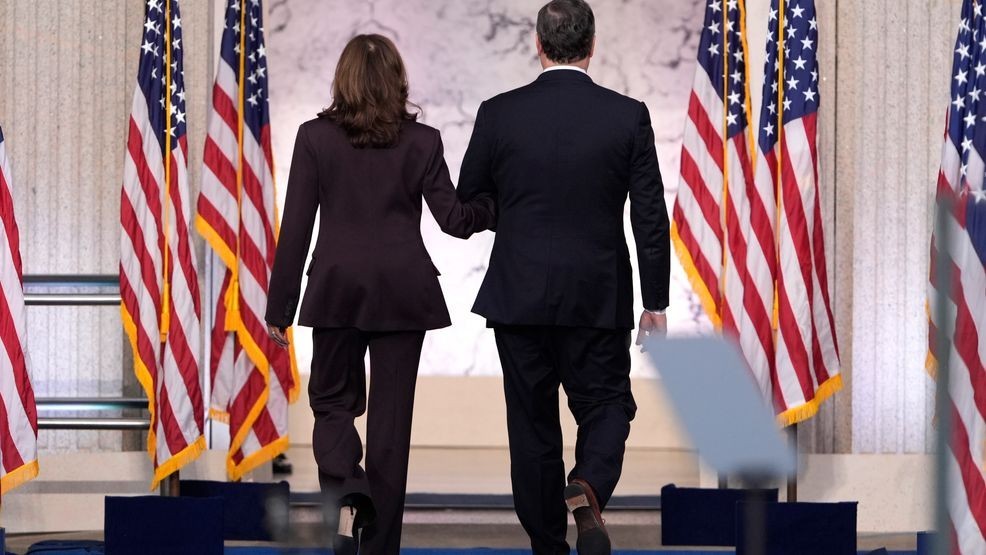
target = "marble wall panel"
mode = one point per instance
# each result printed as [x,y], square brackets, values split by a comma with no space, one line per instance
[459,53]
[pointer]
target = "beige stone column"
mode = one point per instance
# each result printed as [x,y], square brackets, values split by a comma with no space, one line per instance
[891,69]
[67,77]
[884,87]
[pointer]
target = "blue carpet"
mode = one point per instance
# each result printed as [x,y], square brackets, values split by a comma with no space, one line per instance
[270,550]
[474,551]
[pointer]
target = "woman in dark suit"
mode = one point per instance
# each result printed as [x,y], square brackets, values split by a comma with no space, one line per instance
[365,165]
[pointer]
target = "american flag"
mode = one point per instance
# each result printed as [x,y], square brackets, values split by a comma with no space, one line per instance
[158,277]
[18,413]
[962,210]
[807,352]
[253,379]
[735,219]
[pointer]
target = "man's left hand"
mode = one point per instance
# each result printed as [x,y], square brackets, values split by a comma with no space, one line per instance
[278,334]
[652,324]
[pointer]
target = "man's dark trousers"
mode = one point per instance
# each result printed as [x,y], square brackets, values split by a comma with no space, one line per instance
[593,366]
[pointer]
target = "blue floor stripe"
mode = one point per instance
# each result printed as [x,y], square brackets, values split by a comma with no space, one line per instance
[478,551]
[487,501]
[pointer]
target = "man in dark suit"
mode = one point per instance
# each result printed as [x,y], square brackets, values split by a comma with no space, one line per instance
[561,156]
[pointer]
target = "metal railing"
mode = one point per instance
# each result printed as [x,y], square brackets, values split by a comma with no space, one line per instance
[90,403]
[107,294]
[62,404]
[105,291]
[101,423]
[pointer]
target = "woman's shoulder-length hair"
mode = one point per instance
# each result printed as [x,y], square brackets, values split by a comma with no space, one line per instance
[370,93]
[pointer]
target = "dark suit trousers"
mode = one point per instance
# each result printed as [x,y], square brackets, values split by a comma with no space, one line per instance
[593,365]
[337,392]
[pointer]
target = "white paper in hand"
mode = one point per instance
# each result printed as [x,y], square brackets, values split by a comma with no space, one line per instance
[720,406]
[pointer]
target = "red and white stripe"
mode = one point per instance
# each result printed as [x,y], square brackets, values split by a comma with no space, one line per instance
[253,379]
[168,370]
[697,213]
[18,413]
[724,254]
[747,302]
[964,311]
[759,271]
[807,356]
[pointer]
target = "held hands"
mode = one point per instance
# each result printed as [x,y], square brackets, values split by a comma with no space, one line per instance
[651,325]
[279,335]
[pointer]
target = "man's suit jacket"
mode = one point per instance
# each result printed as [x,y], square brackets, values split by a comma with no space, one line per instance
[561,156]
[370,269]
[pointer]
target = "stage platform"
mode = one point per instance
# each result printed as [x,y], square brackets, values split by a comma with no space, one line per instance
[458,499]
[485,532]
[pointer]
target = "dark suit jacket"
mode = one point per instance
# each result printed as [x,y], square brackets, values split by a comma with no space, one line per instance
[370,269]
[561,156]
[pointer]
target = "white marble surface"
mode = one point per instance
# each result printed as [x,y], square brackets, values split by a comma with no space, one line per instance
[458,53]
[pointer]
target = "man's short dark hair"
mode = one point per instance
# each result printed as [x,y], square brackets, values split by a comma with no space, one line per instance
[566,29]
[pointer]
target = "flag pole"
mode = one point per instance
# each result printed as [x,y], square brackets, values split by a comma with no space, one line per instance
[792,430]
[165,284]
[943,399]
[169,484]
[792,481]
[725,161]
[722,478]
[233,299]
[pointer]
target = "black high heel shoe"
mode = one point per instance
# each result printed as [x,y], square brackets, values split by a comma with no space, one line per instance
[347,537]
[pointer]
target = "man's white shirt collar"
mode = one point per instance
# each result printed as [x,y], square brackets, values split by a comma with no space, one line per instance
[553,68]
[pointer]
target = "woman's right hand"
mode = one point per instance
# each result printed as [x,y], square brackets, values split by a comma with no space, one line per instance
[279,335]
